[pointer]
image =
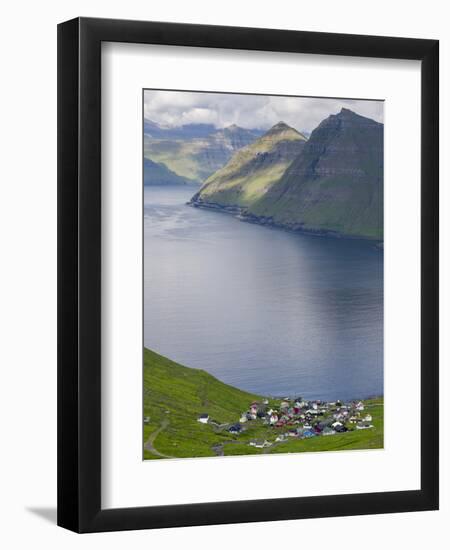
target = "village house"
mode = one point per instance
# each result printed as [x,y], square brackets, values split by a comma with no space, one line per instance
[260,443]
[363,426]
[301,419]
[203,418]
[273,419]
[235,428]
[340,428]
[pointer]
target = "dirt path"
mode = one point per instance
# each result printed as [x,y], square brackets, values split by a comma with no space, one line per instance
[218,448]
[149,443]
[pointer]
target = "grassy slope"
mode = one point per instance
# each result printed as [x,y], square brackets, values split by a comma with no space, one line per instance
[179,394]
[174,396]
[252,170]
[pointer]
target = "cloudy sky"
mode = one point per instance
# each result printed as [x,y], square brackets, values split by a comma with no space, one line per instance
[249,111]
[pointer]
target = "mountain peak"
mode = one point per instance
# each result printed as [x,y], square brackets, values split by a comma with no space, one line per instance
[281,127]
[348,114]
[346,118]
[283,132]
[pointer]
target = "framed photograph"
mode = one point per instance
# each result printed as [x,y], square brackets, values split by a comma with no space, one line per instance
[248,275]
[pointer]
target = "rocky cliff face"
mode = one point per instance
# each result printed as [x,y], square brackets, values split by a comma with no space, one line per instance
[335,185]
[252,170]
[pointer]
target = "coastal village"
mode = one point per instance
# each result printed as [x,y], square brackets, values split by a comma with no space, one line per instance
[296,418]
[189,413]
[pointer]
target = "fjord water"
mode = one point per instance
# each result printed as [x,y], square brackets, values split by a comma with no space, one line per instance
[265,310]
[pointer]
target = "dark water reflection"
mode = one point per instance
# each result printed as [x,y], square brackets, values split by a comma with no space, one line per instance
[265,310]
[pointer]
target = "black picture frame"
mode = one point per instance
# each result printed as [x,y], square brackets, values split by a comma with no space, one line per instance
[79,274]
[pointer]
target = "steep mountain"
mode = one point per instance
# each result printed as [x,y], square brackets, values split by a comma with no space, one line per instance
[198,157]
[335,185]
[252,170]
[156,173]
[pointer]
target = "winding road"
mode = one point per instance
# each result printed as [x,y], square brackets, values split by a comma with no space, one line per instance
[149,443]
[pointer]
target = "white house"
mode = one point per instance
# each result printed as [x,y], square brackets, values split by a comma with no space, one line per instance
[363,426]
[203,418]
[273,418]
[260,444]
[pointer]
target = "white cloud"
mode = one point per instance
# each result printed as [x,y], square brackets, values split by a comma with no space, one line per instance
[173,108]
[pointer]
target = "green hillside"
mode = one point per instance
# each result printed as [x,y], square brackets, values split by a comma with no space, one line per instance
[174,397]
[251,171]
[156,173]
[336,183]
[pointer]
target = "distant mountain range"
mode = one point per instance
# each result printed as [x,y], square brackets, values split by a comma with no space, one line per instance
[194,151]
[331,183]
[186,131]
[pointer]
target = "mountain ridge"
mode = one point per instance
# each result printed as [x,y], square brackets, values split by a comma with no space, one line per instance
[335,185]
[252,170]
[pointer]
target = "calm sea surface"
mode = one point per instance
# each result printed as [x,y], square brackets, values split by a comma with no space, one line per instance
[265,310]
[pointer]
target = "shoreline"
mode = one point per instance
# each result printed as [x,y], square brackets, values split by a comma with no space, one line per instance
[241,214]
